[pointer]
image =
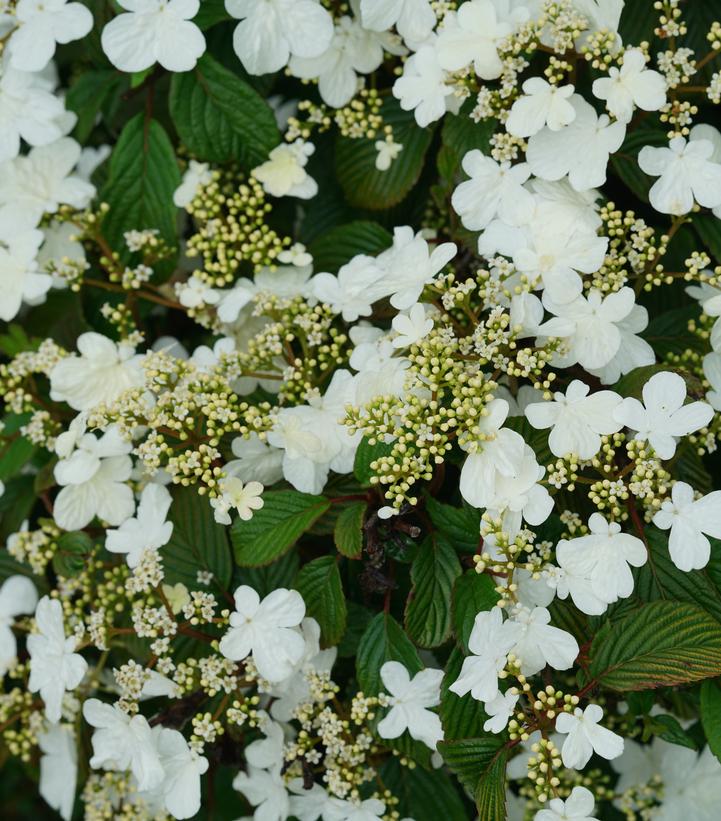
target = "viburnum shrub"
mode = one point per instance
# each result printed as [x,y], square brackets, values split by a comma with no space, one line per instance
[361,373]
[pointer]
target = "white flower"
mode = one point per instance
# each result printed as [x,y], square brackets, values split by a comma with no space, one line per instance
[93,482]
[540,643]
[409,703]
[195,178]
[28,111]
[411,327]
[372,809]
[182,768]
[148,530]
[38,183]
[273,30]
[597,565]
[631,85]
[633,352]
[500,709]
[663,417]
[315,803]
[489,643]
[196,293]
[425,88]
[353,50]
[580,149]
[267,629]
[414,19]
[102,372]
[353,290]
[577,807]
[493,190]
[470,36]
[577,420]
[255,460]
[584,736]
[597,336]
[284,174]
[409,265]
[121,742]
[43,24]
[54,665]
[691,521]
[542,104]
[17,597]
[712,135]
[154,31]
[266,792]
[23,280]
[61,251]
[58,768]
[686,173]
[527,320]
[234,494]
[388,151]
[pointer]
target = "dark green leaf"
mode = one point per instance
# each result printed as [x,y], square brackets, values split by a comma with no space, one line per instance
[220,117]
[711,714]
[276,527]
[332,249]
[73,548]
[359,618]
[491,790]
[383,640]
[15,455]
[668,728]
[348,532]
[472,593]
[280,573]
[364,458]
[87,95]
[320,585]
[461,716]
[471,758]
[425,795]
[459,524]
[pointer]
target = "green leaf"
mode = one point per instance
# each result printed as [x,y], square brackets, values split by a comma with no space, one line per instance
[210,13]
[359,618]
[197,543]
[363,184]
[425,795]
[472,593]
[668,728]
[280,573]
[459,524]
[276,527]
[459,135]
[219,117]
[461,716]
[624,163]
[348,531]
[471,758]
[69,558]
[332,249]
[143,177]
[659,645]
[320,585]
[16,503]
[491,790]
[383,640]
[365,455]
[87,95]
[632,383]
[708,228]
[428,610]
[15,455]
[711,714]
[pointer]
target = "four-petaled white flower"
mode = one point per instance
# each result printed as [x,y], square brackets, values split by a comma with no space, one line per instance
[577,807]
[268,630]
[470,36]
[18,597]
[388,151]
[411,327]
[663,417]
[266,791]
[686,173]
[490,643]
[58,768]
[425,88]
[500,709]
[55,667]
[584,737]
[542,105]
[272,30]
[540,643]
[284,174]
[691,521]
[631,85]
[154,31]
[179,789]
[577,420]
[148,530]
[43,24]
[410,699]
[235,495]
[596,566]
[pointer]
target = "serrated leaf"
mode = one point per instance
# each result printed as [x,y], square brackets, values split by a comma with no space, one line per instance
[320,585]
[491,790]
[348,531]
[659,645]
[210,13]
[459,524]
[87,95]
[428,610]
[461,716]
[197,542]
[332,249]
[219,117]
[383,640]
[73,547]
[471,758]
[711,714]
[16,503]
[363,184]
[365,455]
[425,795]
[459,135]
[143,177]
[276,527]
[280,573]
[15,455]
[668,728]
[472,593]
